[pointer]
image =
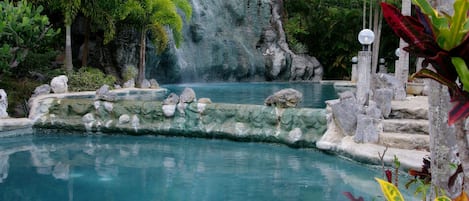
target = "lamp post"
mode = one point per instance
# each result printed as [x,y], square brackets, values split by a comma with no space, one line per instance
[366,38]
[382,66]
[354,77]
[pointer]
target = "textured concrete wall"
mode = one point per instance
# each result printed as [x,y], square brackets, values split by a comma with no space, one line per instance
[299,127]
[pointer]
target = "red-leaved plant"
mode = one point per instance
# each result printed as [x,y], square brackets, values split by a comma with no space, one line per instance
[442,40]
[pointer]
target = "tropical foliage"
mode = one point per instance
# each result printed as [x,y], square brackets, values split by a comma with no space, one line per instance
[154,16]
[392,193]
[88,79]
[328,29]
[443,41]
[23,29]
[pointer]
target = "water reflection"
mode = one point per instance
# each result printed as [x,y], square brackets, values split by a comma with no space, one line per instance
[159,168]
[4,165]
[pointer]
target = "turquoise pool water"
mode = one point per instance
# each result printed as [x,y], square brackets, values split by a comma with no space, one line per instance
[314,94]
[62,167]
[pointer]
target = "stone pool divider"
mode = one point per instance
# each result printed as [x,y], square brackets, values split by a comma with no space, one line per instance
[141,112]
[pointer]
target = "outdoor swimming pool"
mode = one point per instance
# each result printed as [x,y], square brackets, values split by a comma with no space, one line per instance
[314,94]
[77,167]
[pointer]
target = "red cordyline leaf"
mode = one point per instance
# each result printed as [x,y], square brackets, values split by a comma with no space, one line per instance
[462,50]
[419,36]
[388,175]
[459,111]
[410,30]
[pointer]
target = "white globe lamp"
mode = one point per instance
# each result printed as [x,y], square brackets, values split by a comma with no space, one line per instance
[366,37]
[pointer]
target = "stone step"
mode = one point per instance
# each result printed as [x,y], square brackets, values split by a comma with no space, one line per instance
[405,141]
[411,126]
[414,107]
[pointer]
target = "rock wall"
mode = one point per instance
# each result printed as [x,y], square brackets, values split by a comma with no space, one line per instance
[299,127]
[228,40]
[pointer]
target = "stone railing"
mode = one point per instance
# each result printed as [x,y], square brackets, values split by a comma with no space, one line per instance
[298,127]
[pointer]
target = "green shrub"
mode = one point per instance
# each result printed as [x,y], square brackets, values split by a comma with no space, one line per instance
[18,92]
[129,72]
[88,79]
[38,64]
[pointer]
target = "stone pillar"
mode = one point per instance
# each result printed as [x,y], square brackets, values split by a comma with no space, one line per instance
[418,64]
[354,77]
[363,84]
[443,146]
[382,66]
[402,66]
[3,104]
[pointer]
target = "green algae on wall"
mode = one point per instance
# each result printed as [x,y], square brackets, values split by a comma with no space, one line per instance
[299,127]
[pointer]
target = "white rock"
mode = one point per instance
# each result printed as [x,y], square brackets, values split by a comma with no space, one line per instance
[88,118]
[124,119]
[295,135]
[108,106]
[169,110]
[59,84]
[201,107]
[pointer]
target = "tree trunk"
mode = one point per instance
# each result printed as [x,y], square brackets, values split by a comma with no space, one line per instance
[68,48]
[141,64]
[378,21]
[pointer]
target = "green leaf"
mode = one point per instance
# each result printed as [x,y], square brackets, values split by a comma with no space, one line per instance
[462,70]
[439,22]
[390,192]
[442,198]
[457,29]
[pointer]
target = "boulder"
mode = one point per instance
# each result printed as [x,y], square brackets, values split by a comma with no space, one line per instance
[204,100]
[373,111]
[383,98]
[172,99]
[145,84]
[104,94]
[187,96]
[382,80]
[305,67]
[284,98]
[202,103]
[169,110]
[154,84]
[124,119]
[345,115]
[367,130]
[41,90]
[59,84]
[129,84]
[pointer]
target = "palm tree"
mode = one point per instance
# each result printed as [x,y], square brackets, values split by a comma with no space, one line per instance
[69,9]
[100,15]
[154,16]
